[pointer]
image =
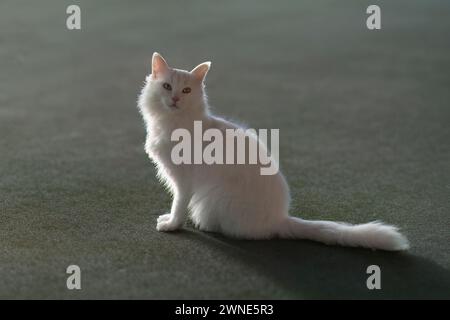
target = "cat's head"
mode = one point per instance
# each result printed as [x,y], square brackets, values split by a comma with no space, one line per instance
[173,91]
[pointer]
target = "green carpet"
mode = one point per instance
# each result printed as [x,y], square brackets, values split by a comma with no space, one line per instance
[364,133]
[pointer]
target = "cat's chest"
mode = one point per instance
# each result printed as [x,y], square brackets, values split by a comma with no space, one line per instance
[158,145]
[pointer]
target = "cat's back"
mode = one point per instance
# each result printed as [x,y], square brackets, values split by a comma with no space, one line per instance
[222,124]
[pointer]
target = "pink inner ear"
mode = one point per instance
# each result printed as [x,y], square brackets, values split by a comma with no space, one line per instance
[200,71]
[159,66]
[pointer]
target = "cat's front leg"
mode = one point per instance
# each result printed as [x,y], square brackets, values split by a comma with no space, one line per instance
[177,216]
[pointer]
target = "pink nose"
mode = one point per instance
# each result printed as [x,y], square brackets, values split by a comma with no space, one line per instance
[175,99]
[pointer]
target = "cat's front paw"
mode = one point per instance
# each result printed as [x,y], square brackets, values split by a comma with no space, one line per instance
[164,217]
[166,223]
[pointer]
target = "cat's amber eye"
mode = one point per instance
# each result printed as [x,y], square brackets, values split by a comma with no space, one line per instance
[186,90]
[167,86]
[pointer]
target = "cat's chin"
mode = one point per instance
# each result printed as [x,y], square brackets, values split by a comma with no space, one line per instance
[173,107]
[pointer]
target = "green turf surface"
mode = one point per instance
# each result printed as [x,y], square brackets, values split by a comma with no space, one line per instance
[364,133]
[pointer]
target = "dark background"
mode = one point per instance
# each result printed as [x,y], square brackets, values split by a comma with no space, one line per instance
[364,135]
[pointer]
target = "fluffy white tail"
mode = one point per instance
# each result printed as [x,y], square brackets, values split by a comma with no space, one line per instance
[375,235]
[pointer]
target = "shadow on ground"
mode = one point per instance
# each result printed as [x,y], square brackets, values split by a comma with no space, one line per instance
[311,270]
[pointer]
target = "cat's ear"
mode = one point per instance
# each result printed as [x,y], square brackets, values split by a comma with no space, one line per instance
[159,65]
[200,71]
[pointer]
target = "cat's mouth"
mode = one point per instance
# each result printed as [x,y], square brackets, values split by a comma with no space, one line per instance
[174,106]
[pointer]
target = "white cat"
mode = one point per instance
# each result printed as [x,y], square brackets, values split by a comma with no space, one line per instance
[235,200]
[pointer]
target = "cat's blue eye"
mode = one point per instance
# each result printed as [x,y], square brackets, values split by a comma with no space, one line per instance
[167,86]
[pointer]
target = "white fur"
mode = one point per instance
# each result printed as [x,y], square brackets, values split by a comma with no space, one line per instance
[235,200]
